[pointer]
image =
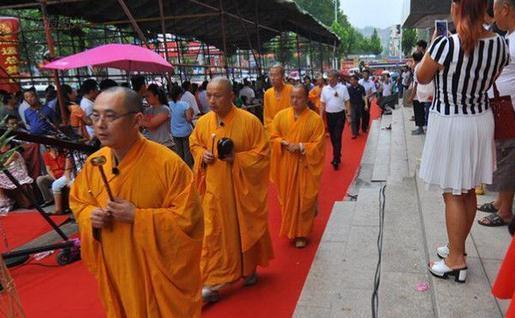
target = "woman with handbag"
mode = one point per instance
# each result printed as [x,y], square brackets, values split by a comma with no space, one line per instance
[459,151]
[504,115]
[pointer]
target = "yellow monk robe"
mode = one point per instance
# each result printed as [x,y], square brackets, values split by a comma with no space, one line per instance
[149,268]
[297,176]
[274,103]
[234,197]
[314,97]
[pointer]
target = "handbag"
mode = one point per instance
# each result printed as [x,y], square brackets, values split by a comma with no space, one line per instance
[504,116]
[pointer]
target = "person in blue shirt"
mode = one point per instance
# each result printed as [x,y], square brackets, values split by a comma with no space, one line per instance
[39,118]
[182,116]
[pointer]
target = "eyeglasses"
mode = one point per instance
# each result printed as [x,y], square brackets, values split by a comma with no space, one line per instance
[109,117]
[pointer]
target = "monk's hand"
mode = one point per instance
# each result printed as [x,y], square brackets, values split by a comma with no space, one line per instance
[294,148]
[99,218]
[208,157]
[284,143]
[229,158]
[121,210]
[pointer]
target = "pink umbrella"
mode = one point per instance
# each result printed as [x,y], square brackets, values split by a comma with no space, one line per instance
[121,56]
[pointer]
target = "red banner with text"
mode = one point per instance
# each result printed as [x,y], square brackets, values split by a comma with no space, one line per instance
[9,55]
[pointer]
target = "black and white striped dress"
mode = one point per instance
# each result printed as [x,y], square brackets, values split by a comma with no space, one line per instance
[459,151]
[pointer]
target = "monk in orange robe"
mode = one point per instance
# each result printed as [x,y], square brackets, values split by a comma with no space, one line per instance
[144,245]
[504,286]
[276,97]
[298,148]
[315,93]
[234,187]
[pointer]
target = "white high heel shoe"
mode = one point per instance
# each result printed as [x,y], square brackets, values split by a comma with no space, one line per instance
[441,270]
[443,252]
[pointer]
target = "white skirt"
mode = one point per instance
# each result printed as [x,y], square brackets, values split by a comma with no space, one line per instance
[459,152]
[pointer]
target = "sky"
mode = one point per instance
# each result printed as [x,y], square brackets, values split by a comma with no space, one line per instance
[376,13]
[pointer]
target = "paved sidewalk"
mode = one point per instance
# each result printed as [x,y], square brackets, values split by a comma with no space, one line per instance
[341,280]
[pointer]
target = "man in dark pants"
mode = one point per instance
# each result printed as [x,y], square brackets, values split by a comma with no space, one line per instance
[335,104]
[358,102]
[370,90]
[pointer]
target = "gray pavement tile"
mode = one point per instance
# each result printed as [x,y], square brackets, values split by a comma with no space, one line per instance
[472,299]
[304,311]
[361,251]
[398,296]
[351,303]
[338,226]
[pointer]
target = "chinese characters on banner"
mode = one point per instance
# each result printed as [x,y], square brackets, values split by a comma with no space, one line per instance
[9,57]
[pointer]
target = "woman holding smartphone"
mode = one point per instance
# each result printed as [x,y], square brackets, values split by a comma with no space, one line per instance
[459,152]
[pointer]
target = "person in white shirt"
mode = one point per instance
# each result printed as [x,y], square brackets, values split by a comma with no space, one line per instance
[89,90]
[247,92]
[503,180]
[370,90]
[335,104]
[189,98]
[387,98]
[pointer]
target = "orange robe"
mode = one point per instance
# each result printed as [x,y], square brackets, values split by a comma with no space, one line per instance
[314,97]
[296,175]
[504,286]
[274,103]
[234,197]
[150,268]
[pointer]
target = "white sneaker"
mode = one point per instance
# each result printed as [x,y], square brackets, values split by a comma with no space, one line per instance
[441,270]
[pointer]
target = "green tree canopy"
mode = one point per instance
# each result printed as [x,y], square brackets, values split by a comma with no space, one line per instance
[409,39]
[375,43]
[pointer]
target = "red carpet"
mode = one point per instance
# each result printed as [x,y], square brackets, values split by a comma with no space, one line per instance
[23,227]
[71,291]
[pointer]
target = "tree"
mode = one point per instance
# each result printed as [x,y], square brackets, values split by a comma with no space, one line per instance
[409,39]
[323,10]
[375,43]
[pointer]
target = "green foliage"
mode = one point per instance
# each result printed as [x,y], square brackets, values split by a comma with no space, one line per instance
[4,140]
[375,43]
[409,39]
[323,10]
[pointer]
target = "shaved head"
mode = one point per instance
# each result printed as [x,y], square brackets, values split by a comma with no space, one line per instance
[303,88]
[223,82]
[278,67]
[131,100]
[220,95]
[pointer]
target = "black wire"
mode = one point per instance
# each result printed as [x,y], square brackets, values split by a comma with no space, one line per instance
[377,275]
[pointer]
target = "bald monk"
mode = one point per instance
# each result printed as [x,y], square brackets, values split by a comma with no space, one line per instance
[147,259]
[233,187]
[276,97]
[298,145]
[315,92]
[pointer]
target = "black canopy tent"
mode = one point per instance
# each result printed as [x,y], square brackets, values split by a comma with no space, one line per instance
[248,24]
[422,13]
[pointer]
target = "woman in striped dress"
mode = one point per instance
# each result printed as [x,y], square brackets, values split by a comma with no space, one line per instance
[459,152]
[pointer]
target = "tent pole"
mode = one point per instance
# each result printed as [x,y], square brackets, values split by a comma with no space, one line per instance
[165,41]
[224,38]
[25,47]
[134,24]
[298,57]
[51,49]
[260,51]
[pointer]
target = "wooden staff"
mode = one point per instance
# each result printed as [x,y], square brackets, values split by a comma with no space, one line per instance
[99,162]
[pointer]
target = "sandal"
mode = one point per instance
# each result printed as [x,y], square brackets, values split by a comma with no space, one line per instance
[492,220]
[488,207]
[440,270]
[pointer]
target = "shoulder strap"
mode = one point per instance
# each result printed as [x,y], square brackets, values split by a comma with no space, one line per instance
[496,91]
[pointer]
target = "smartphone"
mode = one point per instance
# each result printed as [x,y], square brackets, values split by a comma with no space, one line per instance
[442,27]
